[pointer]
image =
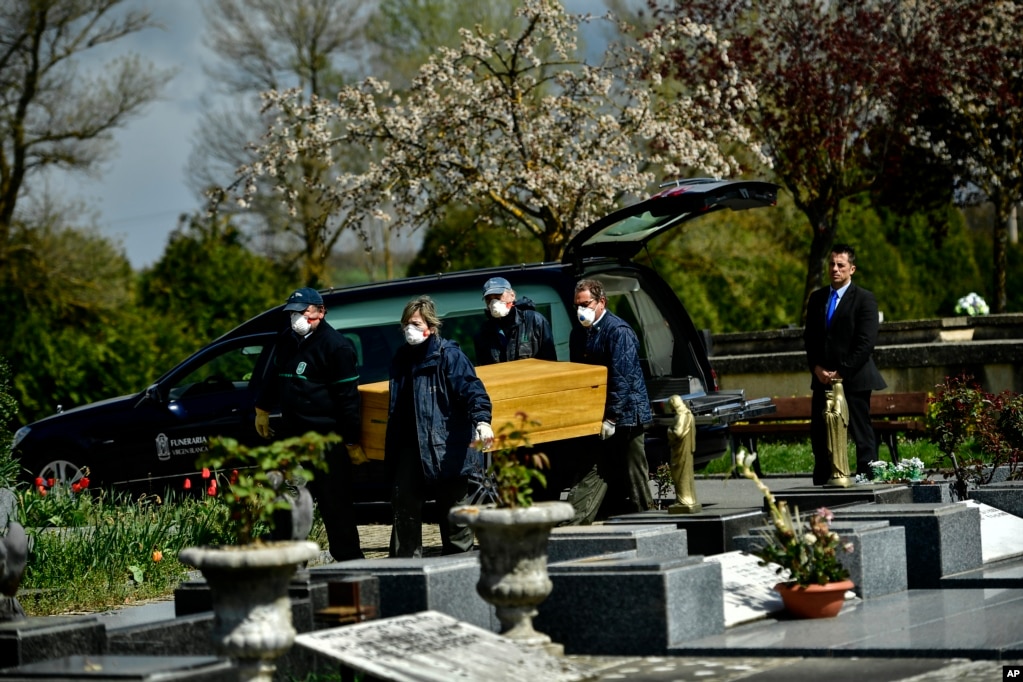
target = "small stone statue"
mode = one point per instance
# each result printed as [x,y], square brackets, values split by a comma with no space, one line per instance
[836,417]
[294,523]
[13,555]
[682,439]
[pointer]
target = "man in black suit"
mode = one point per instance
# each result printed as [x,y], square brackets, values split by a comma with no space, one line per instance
[841,330]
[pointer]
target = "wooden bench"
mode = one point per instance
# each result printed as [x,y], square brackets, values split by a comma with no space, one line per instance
[890,414]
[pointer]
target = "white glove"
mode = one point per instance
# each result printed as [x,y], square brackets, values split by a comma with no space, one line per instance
[607,429]
[484,436]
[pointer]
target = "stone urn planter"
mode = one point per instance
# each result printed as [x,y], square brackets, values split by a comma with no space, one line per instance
[814,601]
[251,609]
[513,562]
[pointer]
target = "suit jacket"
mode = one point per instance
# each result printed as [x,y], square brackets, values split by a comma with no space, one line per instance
[848,344]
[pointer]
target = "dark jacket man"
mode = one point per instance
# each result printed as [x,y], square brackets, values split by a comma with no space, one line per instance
[315,382]
[514,329]
[612,343]
[620,465]
[842,348]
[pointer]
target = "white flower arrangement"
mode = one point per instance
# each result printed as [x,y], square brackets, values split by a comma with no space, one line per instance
[972,304]
[909,469]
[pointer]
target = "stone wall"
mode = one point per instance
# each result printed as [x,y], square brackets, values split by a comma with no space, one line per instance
[913,356]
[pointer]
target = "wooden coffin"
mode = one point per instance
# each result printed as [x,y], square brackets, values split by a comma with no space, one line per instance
[566,398]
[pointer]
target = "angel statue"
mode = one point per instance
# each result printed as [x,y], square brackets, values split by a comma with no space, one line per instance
[836,417]
[682,440]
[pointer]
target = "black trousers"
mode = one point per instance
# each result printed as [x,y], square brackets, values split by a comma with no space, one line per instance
[410,491]
[620,472]
[860,432]
[333,492]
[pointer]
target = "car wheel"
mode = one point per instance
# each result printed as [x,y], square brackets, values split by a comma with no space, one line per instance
[482,486]
[61,471]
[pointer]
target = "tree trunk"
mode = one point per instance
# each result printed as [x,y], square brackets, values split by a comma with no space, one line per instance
[388,256]
[824,223]
[1000,248]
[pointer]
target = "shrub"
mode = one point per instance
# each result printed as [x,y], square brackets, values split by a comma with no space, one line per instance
[976,432]
[9,467]
[252,494]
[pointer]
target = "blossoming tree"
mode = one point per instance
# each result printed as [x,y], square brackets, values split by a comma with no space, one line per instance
[843,87]
[826,76]
[514,123]
[973,79]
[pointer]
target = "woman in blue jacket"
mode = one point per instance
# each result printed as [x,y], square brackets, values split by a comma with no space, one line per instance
[438,407]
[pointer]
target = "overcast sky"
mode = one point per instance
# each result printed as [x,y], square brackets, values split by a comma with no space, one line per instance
[143,188]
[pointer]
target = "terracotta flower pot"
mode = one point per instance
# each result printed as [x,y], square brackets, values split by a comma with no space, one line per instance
[814,601]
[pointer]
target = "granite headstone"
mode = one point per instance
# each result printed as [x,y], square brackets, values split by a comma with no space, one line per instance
[631,606]
[941,539]
[446,584]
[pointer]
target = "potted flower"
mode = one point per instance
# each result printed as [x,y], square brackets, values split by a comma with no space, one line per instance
[805,551]
[513,534]
[249,581]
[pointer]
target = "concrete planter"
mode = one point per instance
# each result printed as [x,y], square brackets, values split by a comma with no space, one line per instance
[251,610]
[513,562]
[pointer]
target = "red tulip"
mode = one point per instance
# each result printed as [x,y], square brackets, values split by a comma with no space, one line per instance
[188,484]
[212,491]
[205,472]
[84,482]
[40,481]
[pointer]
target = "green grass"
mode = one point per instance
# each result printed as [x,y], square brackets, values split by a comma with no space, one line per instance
[796,457]
[93,552]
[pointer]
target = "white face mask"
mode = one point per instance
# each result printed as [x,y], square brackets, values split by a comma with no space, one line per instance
[300,325]
[414,336]
[586,315]
[499,308]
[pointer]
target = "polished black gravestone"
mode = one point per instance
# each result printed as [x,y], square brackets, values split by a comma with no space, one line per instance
[709,531]
[808,498]
[128,668]
[37,639]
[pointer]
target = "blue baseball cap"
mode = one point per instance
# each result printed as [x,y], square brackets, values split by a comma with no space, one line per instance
[496,286]
[302,299]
